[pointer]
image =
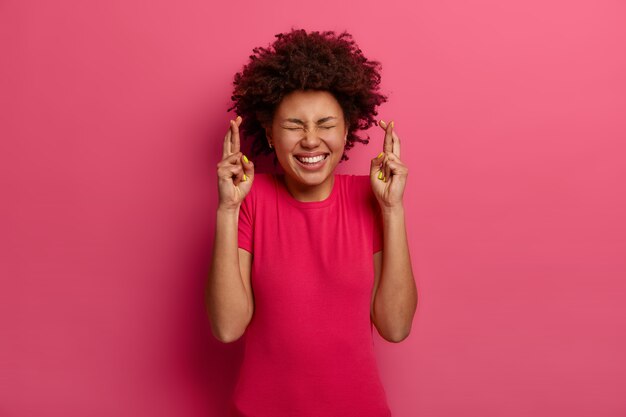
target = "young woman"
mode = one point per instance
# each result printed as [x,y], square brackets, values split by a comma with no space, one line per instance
[306,261]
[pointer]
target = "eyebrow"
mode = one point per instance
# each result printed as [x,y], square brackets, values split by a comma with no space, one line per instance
[300,122]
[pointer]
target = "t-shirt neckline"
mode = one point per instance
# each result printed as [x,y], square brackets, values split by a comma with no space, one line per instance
[280,183]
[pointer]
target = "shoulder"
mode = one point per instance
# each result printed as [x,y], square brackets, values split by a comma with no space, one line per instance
[361,182]
[263,178]
[262,183]
[260,186]
[357,184]
[358,188]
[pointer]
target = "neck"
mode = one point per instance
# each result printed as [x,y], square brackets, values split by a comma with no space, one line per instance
[310,193]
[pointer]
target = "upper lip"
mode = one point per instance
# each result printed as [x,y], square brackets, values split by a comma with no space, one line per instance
[310,155]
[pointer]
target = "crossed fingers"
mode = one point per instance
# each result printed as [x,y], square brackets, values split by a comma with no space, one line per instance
[231,140]
[392,141]
[391,148]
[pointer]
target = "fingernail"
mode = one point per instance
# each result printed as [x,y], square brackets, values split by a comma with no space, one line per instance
[245,159]
[391,124]
[245,178]
[380,154]
[380,175]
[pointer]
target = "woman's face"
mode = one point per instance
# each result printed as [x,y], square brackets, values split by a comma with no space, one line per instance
[308,124]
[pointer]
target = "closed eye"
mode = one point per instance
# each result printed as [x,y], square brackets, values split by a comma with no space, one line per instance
[299,128]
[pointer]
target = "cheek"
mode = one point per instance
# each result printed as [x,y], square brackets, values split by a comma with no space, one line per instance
[340,144]
[336,140]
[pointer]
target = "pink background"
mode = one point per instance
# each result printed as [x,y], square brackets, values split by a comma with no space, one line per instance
[512,121]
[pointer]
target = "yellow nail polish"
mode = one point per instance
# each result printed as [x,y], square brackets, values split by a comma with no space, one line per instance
[380,175]
[245,159]
[380,154]
[245,178]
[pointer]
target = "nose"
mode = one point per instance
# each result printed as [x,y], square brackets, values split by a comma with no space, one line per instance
[311,139]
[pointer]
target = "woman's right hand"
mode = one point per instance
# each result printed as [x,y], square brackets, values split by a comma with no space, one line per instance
[234,174]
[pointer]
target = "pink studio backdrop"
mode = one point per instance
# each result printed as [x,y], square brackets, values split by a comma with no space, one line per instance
[511,116]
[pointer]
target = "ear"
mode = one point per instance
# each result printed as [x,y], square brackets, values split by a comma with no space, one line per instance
[268,131]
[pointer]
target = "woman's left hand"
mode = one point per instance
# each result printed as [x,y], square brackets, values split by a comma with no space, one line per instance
[387,172]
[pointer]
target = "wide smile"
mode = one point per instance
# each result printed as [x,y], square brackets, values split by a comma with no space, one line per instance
[312,164]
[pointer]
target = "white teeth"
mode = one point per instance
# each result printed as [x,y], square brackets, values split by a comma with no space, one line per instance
[312,160]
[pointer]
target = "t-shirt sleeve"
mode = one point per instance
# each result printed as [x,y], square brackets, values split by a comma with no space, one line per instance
[245,234]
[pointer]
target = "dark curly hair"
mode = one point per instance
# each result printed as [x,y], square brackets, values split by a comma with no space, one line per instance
[298,60]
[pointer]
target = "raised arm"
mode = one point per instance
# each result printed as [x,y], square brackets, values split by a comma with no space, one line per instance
[229,299]
[394,299]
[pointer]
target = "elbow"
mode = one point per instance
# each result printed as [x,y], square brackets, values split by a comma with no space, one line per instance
[228,333]
[395,329]
[393,335]
[226,326]
[398,337]
[228,338]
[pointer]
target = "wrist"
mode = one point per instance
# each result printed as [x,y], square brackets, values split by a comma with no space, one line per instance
[397,210]
[228,210]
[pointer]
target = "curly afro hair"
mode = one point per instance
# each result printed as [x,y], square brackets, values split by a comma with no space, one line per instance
[298,60]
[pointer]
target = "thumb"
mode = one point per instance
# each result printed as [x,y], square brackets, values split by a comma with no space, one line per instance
[248,168]
[375,165]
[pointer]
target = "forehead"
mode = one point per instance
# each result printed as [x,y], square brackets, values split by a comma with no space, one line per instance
[308,105]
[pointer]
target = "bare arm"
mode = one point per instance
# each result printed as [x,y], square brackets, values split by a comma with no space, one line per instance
[394,301]
[395,298]
[229,298]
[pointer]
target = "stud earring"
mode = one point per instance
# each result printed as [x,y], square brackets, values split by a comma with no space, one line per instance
[270,145]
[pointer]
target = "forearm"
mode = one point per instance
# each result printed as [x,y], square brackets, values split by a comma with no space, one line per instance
[226,299]
[396,298]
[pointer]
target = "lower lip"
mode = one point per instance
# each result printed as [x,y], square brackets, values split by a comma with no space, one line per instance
[312,167]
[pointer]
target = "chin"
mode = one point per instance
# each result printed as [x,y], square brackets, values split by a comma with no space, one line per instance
[310,177]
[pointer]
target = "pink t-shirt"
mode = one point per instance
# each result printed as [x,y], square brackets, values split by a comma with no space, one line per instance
[308,348]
